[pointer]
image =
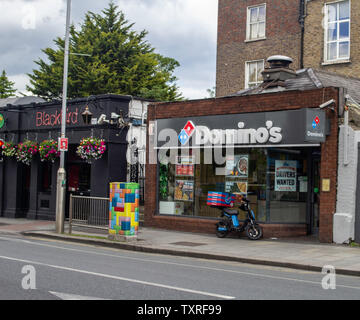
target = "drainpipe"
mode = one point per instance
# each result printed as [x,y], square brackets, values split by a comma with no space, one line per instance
[302,15]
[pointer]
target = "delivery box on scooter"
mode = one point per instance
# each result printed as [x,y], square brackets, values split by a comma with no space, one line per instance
[220,199]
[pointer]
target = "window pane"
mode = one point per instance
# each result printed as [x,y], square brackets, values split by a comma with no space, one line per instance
[261,30]
[262,13]
[331,54]
[344,49]
[260,68]
[344,30]
[253,31]
[344,10]
[332,12]
[253,14]
[332,31]
[252,72]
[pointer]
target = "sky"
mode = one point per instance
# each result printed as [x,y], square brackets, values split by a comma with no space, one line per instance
[185,30]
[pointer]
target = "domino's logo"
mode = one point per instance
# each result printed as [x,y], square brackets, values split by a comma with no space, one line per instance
[316,122]
[186,132]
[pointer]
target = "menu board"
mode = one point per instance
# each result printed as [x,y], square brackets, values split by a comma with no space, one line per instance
[184,190]
[285,175]
[185,166]
[238,166]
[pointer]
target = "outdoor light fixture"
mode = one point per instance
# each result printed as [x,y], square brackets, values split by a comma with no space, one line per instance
[87,115]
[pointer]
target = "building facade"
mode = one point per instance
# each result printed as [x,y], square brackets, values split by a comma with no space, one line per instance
[270,128]
[29,191]
[316,34]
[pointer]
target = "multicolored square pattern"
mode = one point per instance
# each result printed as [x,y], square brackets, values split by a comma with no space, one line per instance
[124,209]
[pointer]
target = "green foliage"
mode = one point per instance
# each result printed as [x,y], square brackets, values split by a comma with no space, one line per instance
[6,86]
[121,61]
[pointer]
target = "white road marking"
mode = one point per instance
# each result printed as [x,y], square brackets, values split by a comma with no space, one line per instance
[67,296]
[120,278]
[183,264]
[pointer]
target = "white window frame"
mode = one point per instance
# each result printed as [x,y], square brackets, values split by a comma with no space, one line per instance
[247,64]
[326,42]
[248,23]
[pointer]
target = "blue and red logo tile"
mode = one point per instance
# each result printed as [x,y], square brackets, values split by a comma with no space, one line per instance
[316,122]
[186,132]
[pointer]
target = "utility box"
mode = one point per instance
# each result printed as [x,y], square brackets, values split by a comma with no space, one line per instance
[343,228]
[124,211]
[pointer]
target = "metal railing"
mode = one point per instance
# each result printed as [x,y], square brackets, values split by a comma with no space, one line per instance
[89,212]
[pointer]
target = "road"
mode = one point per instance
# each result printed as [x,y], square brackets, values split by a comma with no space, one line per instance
[35,269]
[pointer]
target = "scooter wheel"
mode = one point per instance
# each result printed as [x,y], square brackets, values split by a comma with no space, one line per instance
[254,232]
[221,233]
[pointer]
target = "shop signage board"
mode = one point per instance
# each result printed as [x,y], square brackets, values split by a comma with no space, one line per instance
[301,127]
[185,166]
[285,175]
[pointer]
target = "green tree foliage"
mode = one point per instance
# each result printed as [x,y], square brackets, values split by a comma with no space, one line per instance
[121,61]
[6,86]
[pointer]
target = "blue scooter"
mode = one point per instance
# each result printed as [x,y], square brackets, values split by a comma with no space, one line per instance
[229,222]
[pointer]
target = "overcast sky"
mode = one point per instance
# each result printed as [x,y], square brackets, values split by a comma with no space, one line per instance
[185,30]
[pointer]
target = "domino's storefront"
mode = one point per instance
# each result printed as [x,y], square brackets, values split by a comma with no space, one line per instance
[274,156]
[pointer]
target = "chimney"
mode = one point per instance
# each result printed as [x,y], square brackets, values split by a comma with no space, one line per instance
[278,72]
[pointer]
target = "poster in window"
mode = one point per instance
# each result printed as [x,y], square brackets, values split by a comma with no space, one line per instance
[184,190]
[185,166]
[236,187]
[238,166]
[285,175]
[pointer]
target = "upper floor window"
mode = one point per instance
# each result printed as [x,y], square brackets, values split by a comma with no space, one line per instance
[253,71]
[256,20]
[337,31]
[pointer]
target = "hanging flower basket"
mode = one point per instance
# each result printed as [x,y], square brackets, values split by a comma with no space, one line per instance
[91,149]
[48,150]
[9,149]
[26,151]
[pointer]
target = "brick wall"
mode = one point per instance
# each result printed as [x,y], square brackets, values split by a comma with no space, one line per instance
[283,36]
[314,40]
[256,103]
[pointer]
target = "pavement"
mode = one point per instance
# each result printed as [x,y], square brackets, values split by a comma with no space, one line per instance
[297,253]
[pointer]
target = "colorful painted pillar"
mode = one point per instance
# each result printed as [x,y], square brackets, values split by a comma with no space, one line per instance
[124,211]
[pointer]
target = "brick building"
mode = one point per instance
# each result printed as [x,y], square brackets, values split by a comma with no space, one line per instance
[287,101]
[317,34]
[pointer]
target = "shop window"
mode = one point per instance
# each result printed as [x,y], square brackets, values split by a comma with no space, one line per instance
[288,186]
[79,177]
[274,180]
[337,31]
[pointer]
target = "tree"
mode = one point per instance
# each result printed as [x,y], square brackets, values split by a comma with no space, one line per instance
[117,60]
[6,86]
[211,92]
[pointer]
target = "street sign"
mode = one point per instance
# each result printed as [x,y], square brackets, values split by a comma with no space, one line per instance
[63,144]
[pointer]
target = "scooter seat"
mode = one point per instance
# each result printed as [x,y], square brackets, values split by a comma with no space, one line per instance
[231,211]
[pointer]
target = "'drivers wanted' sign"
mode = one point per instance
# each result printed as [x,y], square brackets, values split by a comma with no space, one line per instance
[285,175]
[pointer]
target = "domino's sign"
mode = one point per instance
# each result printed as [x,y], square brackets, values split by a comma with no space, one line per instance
[204,136]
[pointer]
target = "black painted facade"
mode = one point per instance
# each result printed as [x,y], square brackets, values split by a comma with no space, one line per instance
[21,186]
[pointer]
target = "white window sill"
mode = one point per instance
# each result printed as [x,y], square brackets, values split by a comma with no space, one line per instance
[342,61]
[253,40]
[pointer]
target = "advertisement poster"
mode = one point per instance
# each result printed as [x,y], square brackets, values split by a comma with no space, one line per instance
[185,166]
[238,166]
[285,175]
[184,190]
[236,187]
